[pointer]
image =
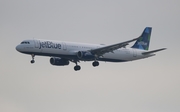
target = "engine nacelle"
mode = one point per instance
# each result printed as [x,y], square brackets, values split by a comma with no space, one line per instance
[58,61]
[86,56]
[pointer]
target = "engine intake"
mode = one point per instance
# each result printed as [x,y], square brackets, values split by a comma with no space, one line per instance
[58,61]
[84,55]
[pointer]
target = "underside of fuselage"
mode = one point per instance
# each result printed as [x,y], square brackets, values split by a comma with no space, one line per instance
[73,57]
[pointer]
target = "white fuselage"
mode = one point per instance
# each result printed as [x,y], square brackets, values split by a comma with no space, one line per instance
[68,50]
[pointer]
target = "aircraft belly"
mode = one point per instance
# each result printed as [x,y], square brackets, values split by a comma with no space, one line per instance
[117,55]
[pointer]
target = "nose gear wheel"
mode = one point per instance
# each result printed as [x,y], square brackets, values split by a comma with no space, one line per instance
[32,61]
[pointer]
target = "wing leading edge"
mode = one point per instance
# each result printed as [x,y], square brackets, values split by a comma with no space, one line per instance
[102,50]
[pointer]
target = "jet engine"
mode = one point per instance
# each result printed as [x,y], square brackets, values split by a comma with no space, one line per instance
[85,55]
[58,61]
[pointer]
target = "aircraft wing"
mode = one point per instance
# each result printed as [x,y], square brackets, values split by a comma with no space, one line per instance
[110,48]
[150,52]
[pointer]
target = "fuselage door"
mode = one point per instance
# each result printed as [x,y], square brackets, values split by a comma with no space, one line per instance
[64,46]
[134,53]
[37,43]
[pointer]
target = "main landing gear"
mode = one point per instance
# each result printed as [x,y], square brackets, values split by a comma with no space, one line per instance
[32,61]
[77,67]
[95,63]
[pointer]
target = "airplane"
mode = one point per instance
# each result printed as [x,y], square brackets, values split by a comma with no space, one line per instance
[61,53]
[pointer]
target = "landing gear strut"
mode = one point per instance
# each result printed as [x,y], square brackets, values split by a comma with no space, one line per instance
[95,63]
[32,61]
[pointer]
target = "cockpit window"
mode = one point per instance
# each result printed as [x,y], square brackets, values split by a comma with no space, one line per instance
[25,42]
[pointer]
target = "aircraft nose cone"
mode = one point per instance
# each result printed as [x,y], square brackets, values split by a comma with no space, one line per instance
[18,48]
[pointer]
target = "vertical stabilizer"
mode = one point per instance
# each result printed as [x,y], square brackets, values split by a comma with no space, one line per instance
[144,40]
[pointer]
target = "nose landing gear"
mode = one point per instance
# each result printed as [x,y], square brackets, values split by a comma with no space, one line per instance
[32,61]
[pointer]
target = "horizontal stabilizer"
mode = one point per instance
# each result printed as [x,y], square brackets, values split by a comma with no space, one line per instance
[149,52]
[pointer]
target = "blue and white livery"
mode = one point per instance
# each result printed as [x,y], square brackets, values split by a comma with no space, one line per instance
[62,53]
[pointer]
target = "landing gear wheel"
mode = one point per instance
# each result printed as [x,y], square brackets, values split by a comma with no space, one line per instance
[77,67]
[32,61]
[95,63]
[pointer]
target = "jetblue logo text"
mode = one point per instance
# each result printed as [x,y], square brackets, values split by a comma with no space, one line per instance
[48,44]
[142,43]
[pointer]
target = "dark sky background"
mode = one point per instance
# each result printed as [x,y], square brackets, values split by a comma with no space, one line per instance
[148,85]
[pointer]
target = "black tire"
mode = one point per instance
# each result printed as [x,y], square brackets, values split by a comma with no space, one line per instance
[95,63]
[32,61]
[77,67]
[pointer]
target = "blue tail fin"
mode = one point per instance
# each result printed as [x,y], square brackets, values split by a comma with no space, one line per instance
[144,40]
